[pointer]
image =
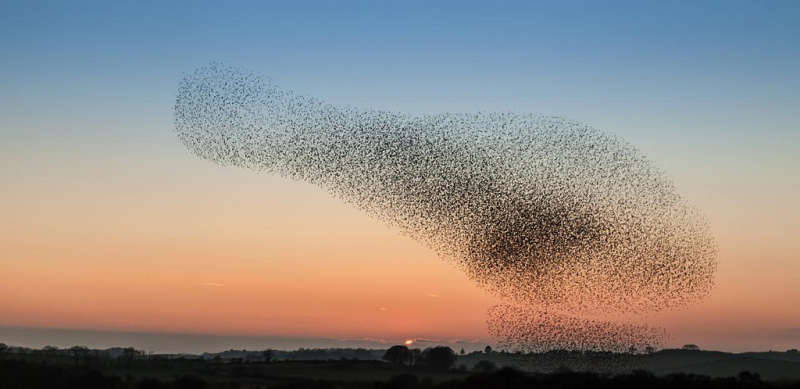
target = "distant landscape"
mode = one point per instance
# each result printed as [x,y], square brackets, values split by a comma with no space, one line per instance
[396,367]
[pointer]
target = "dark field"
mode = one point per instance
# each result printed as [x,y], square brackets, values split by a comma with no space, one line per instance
[127,368]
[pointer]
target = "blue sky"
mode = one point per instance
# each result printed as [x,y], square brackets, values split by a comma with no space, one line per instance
[677,79]
[547,57]
[649,71]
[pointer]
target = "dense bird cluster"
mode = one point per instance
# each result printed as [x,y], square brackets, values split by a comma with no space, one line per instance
[531,330]
[540,211]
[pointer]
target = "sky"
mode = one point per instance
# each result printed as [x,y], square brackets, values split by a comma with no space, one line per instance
[109,225]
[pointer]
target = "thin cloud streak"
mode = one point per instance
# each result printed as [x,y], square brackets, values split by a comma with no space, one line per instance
[211,284]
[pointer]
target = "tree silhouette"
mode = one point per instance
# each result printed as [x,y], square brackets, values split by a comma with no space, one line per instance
[488,349]
[79,353]
[397,355]
[50,352]
[3,350]
[692,347]
[415,356]
[267,355]
[441,357]
[129,355]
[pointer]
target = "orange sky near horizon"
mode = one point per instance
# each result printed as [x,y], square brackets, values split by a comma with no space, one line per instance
[176,244]
[252,254]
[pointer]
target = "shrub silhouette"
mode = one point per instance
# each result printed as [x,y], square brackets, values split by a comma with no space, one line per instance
[398,355]
[442,357]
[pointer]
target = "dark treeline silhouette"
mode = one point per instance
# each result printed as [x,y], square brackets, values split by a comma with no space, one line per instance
[397,367]
[19,374]
[438,357]
[302,354]
[132,356]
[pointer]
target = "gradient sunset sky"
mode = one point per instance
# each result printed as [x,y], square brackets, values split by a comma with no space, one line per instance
[107,222]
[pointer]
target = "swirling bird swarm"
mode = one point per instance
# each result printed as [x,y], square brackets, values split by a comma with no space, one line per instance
[529,330]
[540,211]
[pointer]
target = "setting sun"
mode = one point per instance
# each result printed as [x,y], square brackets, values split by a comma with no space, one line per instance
[409,342]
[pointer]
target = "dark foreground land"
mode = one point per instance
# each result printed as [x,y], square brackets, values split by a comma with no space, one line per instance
[125,369]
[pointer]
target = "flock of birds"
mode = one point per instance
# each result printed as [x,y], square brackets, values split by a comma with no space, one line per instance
[558,219]
[531,330]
